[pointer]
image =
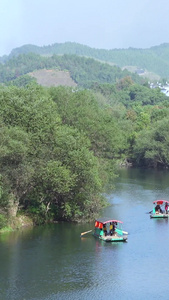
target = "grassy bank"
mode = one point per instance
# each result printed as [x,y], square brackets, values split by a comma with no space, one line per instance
[16,223]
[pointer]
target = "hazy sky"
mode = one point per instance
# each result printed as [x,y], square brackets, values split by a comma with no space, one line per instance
[106,24]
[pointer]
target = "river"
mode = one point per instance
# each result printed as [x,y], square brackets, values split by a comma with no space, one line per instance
[53,262]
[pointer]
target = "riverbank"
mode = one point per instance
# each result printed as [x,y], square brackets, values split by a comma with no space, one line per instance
[16,223]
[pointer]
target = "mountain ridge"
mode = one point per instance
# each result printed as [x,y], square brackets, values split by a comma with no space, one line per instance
[154,59]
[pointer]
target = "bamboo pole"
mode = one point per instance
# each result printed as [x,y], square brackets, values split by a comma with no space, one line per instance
[83,233]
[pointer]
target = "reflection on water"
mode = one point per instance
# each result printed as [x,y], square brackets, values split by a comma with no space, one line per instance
[53,262]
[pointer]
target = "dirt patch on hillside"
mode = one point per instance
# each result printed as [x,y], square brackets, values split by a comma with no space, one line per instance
[53,78]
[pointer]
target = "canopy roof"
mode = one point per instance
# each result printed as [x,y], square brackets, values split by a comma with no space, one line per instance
[104,221]
[160,202]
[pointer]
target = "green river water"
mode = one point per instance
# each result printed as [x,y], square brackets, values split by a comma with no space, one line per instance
[53,262]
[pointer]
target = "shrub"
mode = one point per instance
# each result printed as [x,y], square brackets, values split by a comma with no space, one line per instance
[3,221]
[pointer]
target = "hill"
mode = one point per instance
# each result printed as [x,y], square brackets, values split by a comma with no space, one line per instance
[154,59]
[75,70]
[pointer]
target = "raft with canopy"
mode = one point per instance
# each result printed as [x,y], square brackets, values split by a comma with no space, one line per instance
[161,209]
[110,230]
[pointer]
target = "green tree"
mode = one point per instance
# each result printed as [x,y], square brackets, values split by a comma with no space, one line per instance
[151,148]
[48,167]
[16,173]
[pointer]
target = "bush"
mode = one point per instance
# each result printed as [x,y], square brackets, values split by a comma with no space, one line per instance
[3,221]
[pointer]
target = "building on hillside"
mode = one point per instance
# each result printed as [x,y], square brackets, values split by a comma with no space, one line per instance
[164,88]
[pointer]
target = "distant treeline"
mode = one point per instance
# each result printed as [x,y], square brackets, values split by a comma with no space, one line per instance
[154,59]
[83,71]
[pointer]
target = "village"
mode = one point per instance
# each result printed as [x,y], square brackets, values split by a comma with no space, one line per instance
[164,88]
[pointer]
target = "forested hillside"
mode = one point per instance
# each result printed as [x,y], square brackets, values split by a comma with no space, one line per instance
[83,71]
[59,148]
[154,59]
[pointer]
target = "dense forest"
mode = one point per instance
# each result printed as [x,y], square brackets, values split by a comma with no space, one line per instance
[83,71]
[154,59]
[61,147]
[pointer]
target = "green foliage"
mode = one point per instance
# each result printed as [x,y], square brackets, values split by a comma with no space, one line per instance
[143,121]
[57,177]
[159,113]
[59,147]
[47,161]
[21,81]
[82,111]
[145,95]
[151,148]
[3,221]
[83,70]
[154,59]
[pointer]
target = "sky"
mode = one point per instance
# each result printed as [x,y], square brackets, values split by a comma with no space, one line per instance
[101,24]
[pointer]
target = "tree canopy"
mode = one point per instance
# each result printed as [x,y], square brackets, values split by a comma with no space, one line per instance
[154,59]
[59,148]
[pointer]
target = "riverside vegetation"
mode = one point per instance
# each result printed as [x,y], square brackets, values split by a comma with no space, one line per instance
[60,147]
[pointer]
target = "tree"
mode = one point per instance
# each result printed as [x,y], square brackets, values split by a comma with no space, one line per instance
[151,148]
[16,173]
[48,168]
